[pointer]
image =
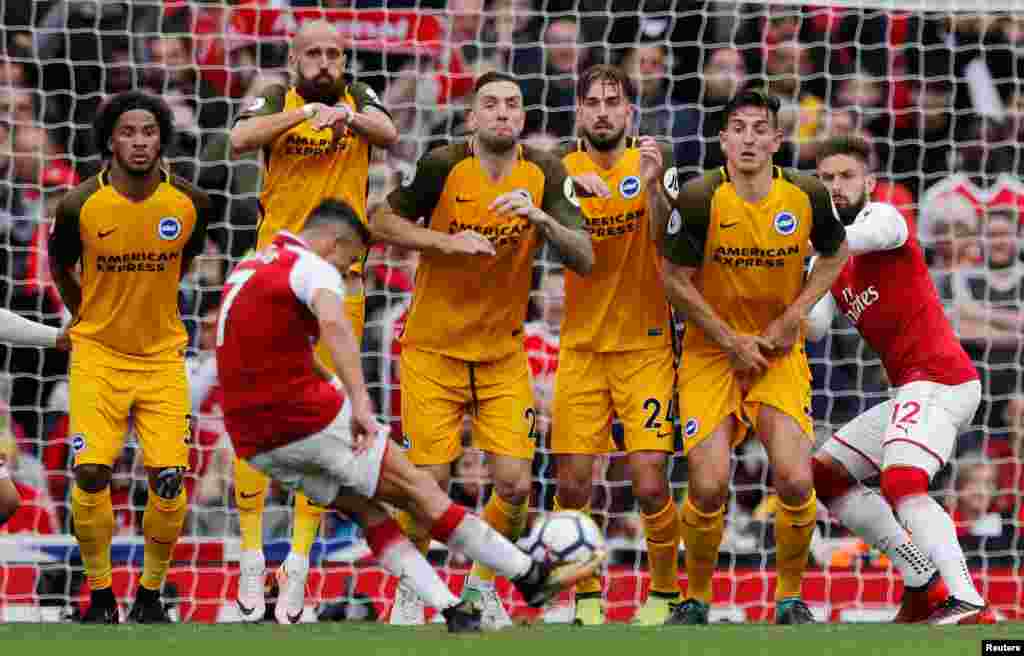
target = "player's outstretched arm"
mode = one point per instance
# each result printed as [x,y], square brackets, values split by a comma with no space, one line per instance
[337,332]
[390,228]
[15,329]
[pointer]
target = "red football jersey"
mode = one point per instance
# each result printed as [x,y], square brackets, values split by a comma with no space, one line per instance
[265,338]
[889,296]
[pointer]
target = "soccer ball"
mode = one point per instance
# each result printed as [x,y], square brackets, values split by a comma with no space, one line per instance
[564,537]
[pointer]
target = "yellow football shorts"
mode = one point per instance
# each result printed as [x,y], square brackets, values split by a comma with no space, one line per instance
[105,401]
[709,392]
[437,391]
[637,386]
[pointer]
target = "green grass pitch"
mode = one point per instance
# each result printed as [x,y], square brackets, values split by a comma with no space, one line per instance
[362,639]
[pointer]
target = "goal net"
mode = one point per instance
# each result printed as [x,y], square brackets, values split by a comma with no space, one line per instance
[936,86]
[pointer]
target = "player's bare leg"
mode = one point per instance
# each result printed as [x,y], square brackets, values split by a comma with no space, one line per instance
[405,486]
[575,487]
[662,529]
[789,452]
[870,517]
[703,520]
[408,608]
[506,512]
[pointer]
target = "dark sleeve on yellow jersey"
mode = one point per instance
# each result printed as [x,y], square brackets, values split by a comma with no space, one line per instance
[827,231]
[687,230]
[271,101]
[669,175]
[204,217]
[419,198]
[65,246]
[559,192]
[365,96]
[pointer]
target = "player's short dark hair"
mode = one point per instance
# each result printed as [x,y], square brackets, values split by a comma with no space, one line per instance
[603,73]
[335,210]
[856,147]
[111,112]
[493,76]
[754,98]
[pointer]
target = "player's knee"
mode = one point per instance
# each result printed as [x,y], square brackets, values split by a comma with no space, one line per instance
[903,482]
[167,482]
[92,478]
[831,480]
[651,493]
[573,491]
[708,496]
[514,490]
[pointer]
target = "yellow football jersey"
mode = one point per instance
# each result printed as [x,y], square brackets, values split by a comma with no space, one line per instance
[304,167]
[132,255]
[750,256]
[621,305]
[473,308]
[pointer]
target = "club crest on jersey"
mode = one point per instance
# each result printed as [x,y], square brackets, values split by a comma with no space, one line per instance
[169,228]
[691,427]
[569,189]
[675,222]
[671,182]
[630,186]
[785,223]
[525,193]
[78,442]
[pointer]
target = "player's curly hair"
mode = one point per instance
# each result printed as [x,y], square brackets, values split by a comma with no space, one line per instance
[113,109]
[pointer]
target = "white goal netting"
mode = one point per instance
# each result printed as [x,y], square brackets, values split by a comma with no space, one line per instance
[936,87]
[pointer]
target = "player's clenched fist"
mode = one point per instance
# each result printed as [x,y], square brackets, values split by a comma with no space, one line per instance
[468,242]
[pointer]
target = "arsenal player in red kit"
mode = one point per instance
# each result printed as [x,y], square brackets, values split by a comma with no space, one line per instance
[886,292]
[293,420]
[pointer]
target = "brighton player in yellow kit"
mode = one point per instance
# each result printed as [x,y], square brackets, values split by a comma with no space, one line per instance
[736,242]
[616,355]
[120,243]
[489,204]
[316,138]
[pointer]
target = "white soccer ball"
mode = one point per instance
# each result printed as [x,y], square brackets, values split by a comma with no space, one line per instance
[564,537]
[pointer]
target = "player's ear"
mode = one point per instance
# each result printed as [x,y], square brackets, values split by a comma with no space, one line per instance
[869,183]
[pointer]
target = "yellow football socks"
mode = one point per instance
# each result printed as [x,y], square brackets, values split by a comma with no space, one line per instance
[662,530]
[505,518]
[793,528]
[702,535]
[93,515]
[161,525]
[306,524]
[250,499]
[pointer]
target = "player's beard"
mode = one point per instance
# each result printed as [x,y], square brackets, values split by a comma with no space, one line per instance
[320,89]
[605,143]
[849,213]
[493,143]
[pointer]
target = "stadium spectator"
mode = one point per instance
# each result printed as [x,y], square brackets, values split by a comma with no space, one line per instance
[1008,456]
[697,127]
[647,65]
[171,66]
[555,91]
[949,231]
[972,502]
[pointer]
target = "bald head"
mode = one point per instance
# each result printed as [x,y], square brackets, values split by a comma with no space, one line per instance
[315,31]
[318,62]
